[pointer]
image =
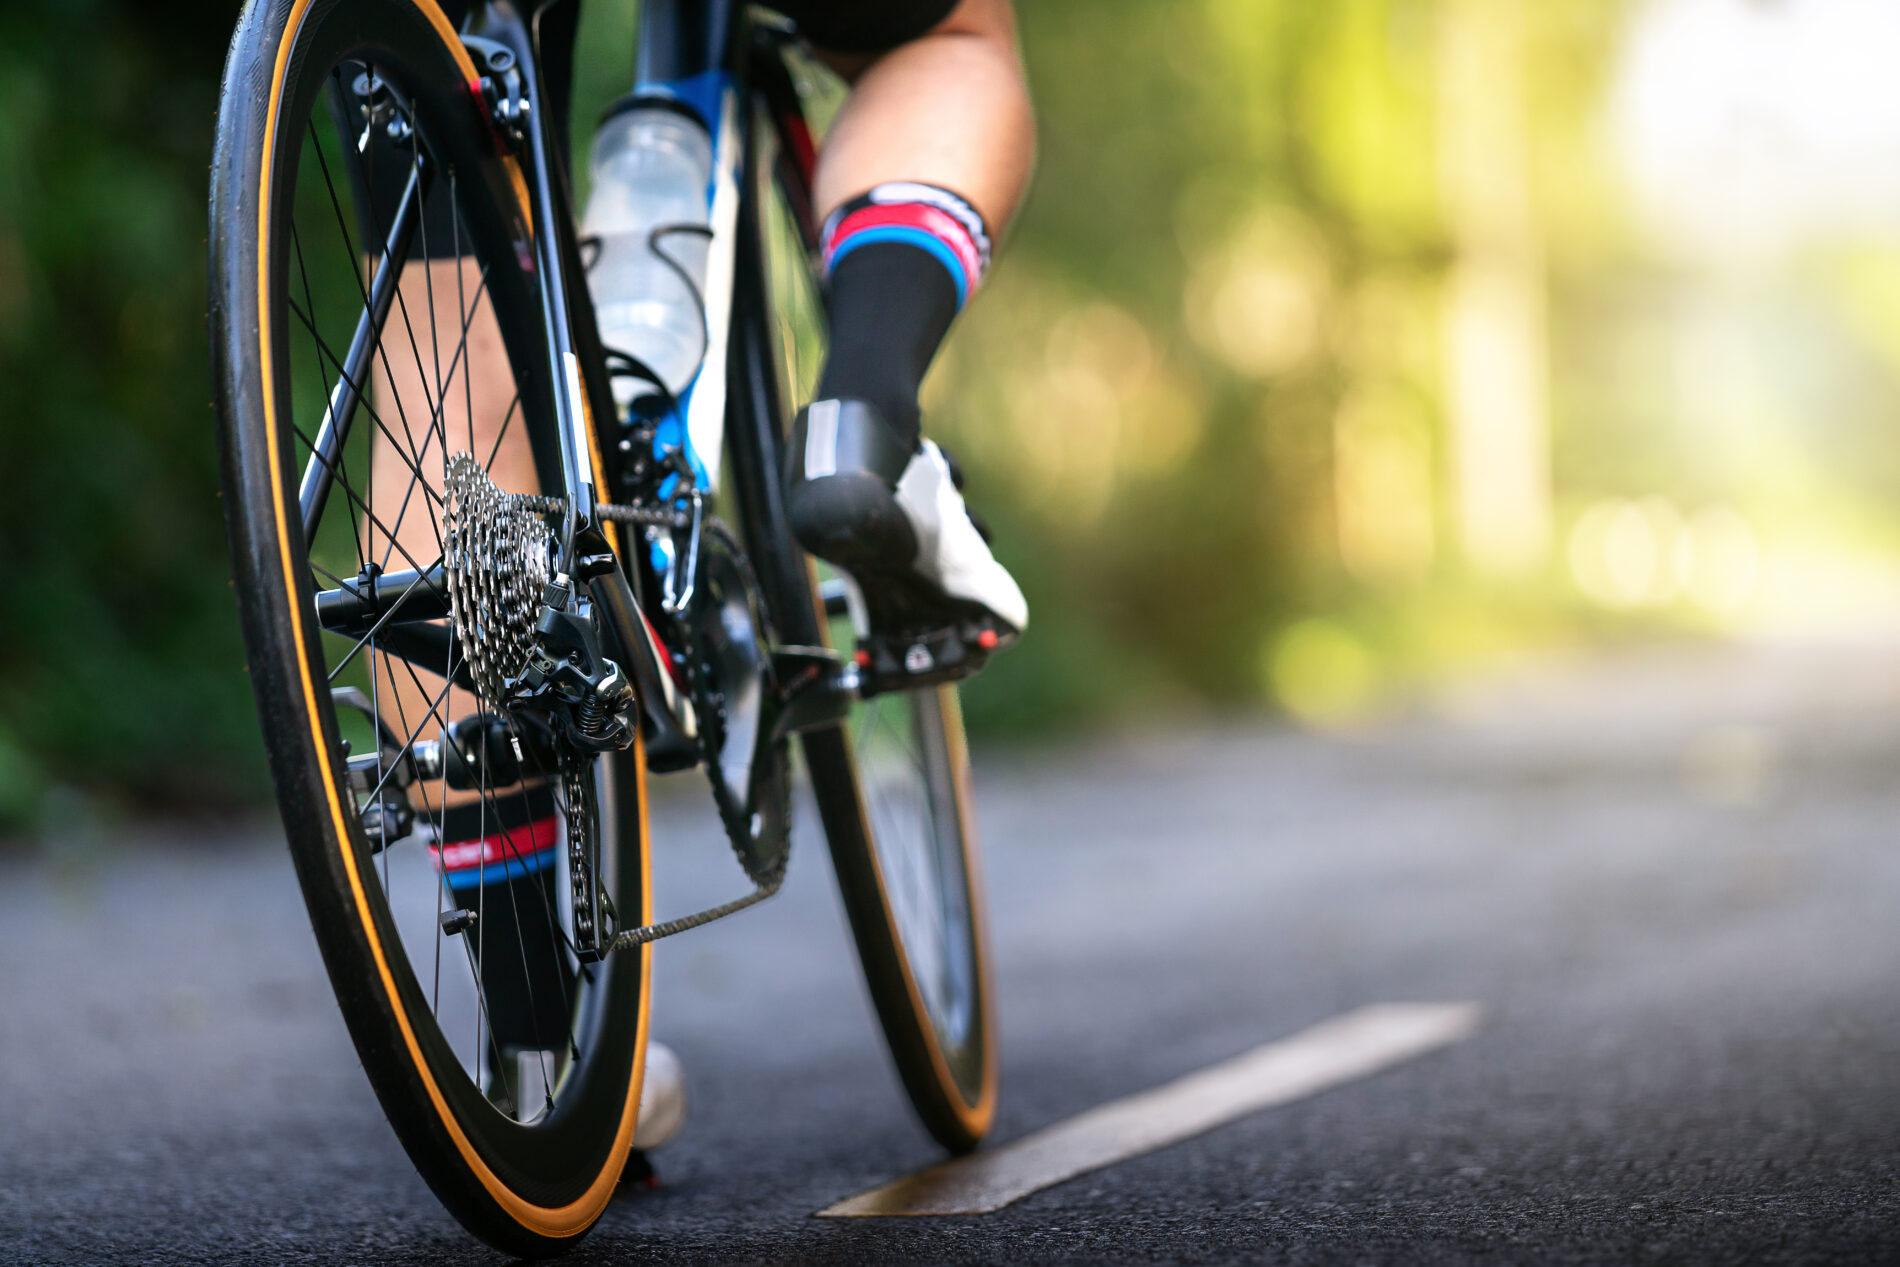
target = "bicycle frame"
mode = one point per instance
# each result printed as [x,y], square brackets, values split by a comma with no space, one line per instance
[710,58]
[693,54]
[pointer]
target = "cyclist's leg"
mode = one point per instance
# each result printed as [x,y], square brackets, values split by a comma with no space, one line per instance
[950,108]
[949,111]
[927,159]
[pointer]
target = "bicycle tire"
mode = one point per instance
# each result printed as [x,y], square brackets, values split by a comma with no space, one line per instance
[949,1071]
[528,1187]
[948,1065]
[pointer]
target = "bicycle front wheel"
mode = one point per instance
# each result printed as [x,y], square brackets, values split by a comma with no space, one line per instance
[893,782]
[893,787]
[349,147]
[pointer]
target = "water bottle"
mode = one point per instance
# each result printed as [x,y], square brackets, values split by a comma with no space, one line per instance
[651,167]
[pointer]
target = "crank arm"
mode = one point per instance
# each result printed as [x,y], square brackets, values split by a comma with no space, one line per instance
[817,687]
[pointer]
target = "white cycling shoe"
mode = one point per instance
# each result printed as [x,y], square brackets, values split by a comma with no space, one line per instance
[895,519]
[662,1099]
[951,551]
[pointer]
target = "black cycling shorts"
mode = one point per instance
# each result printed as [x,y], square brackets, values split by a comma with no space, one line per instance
[863,26]
[840,26]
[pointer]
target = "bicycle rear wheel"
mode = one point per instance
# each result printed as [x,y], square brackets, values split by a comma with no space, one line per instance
[509,1067]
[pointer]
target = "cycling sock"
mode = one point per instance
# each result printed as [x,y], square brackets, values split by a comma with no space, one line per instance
[498,859]
[507,837]
[900,262]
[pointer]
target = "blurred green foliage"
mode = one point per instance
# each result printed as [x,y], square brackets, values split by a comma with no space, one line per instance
[1166,501]
[1237,230]
[1204,399]
[120,661]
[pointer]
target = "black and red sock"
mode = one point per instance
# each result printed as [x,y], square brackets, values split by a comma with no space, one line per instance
[499,859]
[901,261]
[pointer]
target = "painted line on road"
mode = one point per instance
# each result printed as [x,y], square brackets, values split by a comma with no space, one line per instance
[1347,1047]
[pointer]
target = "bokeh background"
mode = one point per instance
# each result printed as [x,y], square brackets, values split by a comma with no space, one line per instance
[1342,349]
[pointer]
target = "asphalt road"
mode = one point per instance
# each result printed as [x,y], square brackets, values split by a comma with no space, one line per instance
[1672,882]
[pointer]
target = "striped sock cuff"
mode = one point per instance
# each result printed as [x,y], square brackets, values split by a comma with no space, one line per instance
[502,838]
[924,216]
[506,854]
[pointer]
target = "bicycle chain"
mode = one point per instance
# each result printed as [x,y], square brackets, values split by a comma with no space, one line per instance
[498,561]
[646,516]
[578,804]
[576,792]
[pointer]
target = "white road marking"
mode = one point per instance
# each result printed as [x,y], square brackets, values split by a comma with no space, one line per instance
[1354,1045]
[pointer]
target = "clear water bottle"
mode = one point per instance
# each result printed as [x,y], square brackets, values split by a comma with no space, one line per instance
[651,169]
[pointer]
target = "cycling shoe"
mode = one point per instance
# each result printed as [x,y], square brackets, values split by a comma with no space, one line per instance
[894,518]
[662,1099]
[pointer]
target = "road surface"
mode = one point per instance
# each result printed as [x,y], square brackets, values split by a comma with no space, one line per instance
[1670,882]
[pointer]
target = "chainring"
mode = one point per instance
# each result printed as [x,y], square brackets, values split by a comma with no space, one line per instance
[732,683]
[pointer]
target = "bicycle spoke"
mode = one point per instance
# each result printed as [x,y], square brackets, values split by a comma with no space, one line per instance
[329,461]
[416,476]
[414,469]
[343,229]
[353,384]
[409,744]
[921,893]
[340,412]
[410,459]
[442,891]
[468,387]
[383,620]
[486,801]
[415,351]
[503,433]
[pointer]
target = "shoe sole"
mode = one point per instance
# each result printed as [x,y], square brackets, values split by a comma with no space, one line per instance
[853,521]
[920,636]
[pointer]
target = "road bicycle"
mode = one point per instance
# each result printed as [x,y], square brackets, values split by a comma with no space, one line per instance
[421,638]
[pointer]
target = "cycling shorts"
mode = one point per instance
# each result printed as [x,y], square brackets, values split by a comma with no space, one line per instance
[863,26]
[839,26]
